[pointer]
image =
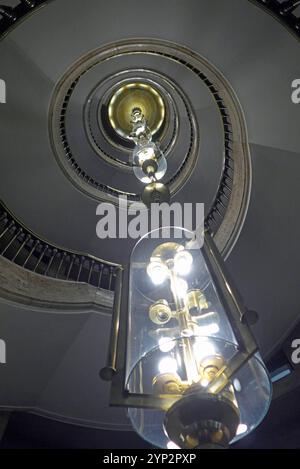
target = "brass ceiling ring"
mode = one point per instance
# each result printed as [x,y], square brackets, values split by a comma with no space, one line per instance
[136,95]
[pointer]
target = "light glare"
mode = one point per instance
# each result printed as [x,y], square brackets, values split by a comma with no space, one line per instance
[172,445]
[168,365]
[242,428]
[183,262]
[158,272]
[166,344]
[203,349]
[181,288]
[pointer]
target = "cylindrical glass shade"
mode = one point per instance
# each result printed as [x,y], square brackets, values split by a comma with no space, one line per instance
[179,340]
[143,155]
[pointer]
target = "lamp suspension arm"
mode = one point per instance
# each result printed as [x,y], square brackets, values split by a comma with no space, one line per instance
[115,371]
[224,375]
[107,373]
[236,311]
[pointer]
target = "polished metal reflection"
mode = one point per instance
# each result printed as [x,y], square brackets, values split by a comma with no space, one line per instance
[136,95]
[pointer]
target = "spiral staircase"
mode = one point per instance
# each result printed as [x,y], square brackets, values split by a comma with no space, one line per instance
[232,142]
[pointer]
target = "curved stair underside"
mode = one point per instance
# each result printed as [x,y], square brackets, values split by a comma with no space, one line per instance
[258,58]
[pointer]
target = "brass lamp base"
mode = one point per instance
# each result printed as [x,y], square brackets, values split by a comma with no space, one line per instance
[132,96]
[155,193]
[202,421]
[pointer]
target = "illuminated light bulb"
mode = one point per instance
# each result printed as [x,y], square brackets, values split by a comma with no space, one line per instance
[183,262]
[181,287]
[158,272]
[144,153]
[203,349]
[209,330]
[237,385]
[242,428]
[172,445]
[166,344]
[149,152]
[204,382]
[168,365]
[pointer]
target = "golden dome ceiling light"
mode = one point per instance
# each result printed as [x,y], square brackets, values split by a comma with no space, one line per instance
[136,95]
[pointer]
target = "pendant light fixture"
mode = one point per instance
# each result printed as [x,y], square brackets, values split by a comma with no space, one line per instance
[137,113]
[182,357]
[149,162]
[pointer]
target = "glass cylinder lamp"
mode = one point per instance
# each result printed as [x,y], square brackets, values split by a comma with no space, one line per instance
[149,162]
[185,364]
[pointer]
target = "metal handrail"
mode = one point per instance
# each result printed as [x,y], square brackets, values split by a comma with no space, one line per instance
[20,245]
[16,239]
[286,11]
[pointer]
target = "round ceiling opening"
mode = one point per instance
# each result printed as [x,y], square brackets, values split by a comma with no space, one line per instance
[136,95]
[193,114]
